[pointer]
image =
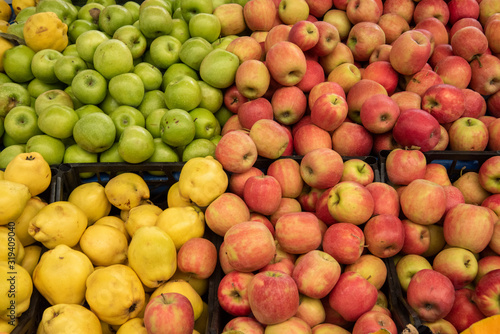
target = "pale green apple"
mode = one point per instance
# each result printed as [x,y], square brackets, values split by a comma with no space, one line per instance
[13,94]
[21,123]
[108,104]
[162,3]
[206,125]
[66,68]
[71,50]
[150,75]
[89,86]
[4,78]
[87,109]
[211,98]
[154,99]
[183,93]
[95,132]
[163,152]
[177,128]
[189,8]
[198,148]
[67,12]
[222,115]
[125,116]
[43,63]
[54,96]
[23,15]
[76,154]
[9,153]
[87,43]
[155,21]
[136,144]
[133,7]
[180,30]
[113,17]
[78,27]
[113,57]
[127,89]
[52,149]
[76,103]
[58,121]
[111,154]
[175,71]
[153,121]
[133,38]
[206,26]
[219,67]
[36,87]
[164,51]
[90,12]
[193,51]
[17,63]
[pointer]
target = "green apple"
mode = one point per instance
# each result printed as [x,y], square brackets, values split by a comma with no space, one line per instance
[21,123]
[211,98]
[52,149]
[180,30]
[13,94]
[125,116]
[133,7]
[162,3]
[78,27]
[66,68]
[206,125]
[113,17]
[205,25]
[17,63]
[71,50]
[87,43]
[219,67]
[223,42]
[222,115]
[67,12]
[4,78]
[194,50]
[127,89]
[95,132]
[50,97]
[150,75]
[190,8]
[58,120]
[89,86]
[90,12]
[178,14]
[175,71]
[113,57]
[177,128]
[136,144]
[154,99]
[8,141]
[43,63]
[9,153]
[2,127]
[241,2]
[36,87]
[108,104]
[111,154]
[183,93]
[217,3]
[76,154]
[162,153]
[133,38]
[198,148]
[164,51]
[76,103]
[216,139]
[153,122]
[154,21]
[87,109]
[23,15]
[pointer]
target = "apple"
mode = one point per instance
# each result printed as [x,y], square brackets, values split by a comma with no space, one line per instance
[423,201]
[393,26]
[437,173]
[112,57]
[21,123]
[346,75]
[287,205]
[164,51]
[325,87]
[407,100]
[370,267]
[170,312]
[313,76]
[372,321]
[384,235]
[57,121]
[410,52]
[475,105]
[454,70]
[253,110]
[469,42]
[311,311]
[278,33]
[198,257]
[321,168]
[382,72]
[226,211]
[485,71]
[67,66]
[287,172]
[425,136]
[291,325]
[345,242]
[260,14]
[385,197]
[305,34]
[42,65]
[352,296]
[444,101]
[471,189]
[328,39]
[232,293]
[459,234]
[357,170]
[488,175]
[408,265]
[231,18]
[252,78]
[405,8]
[493,142]
[485,293]
[381,53]
[293,11]
[359,93]
[286,63]
[247,324]
[379,113]
[350,202]
[270,288]
[270,138]
[135,144]
[468,134]
[485,265]
[417,238]
[298,232]
[236,151]
[262,194]
[233,98]
[403,166]
[289,104]
[458,264]
[364,37]
[183,93]
[329,111]
[245,47]
[464,311]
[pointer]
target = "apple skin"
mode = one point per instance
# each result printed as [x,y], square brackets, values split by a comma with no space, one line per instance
[384,235]
[259,14]
[364,37]
[475,104]
[321,168]
[488,175]
[408,265]
[352,296]
[494,137]
[423,202]
[469,42]
[345,242]
[291,325]
[425,136]
[289,104]
[253,110]
[232,293]
[410,52]
[458,264]
[170,312]
[364,11]
[492,202]
[485,265]
[379,113]
[231,18]
[468,134]
[437,173]
[421,81]
[464,311]
[233,98]
[262,194]
[359,93]
[313,76]
[485,73]
[385,197]
[270,288]
[246,324]
[311,311]
[237,180]
[278,33]
[468,184]
[393,26]
[270,138]
[357,170]
[370,267]
[445,102]
[287,172]
[286,63]
[350,202]
[324,88]
[305,34]
[329,111]
[417,238]
[298,232]
[430,294]
[486,293]
[403,166]
[309,197]
[454,70]
[329,38]
[226,211]
[372,321]
[316,273]
[321,209]
[458,231]
[309,137]
[252,79]
[352,139]
[249,246]
[197,256]
[236,151]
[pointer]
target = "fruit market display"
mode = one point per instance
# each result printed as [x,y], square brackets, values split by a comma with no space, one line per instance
[311,136]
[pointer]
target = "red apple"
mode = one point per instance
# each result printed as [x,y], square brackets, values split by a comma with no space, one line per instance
[364,37]
[440,52]
[345,242]
[370,267]
[233,123]
[454,70]
[288,105]
[253,110]
[468,134]
[246,48]
[169,312]
[385,197]
[262,194]
[298,232]
[233,99]
[232,293]
[379,113]
[286,63]
[321,168]
[469,42]
[382,72]
[310,137]
[489,173]
[408,265]
[486,293]
[226,211]
[270,138]
[460,9]
[423,80]
[305,34]
[407,100]
[485,265]
[393,26]
[197,256]
[416,128]
[384,235]
[431,8]
[236,151]
[410,52]
[351,140]
[246,324]
[350,202]
[313,76]
[405,8]
[359,93]
[321,210]
[364,11]
[417,238]
[259,14]
[485,77]
[357,170]
[277,34]
[464,311]
[237,180]
[423,202]
[475,104]
[373,321]
[287,172]
[325,87]
[329,38]
[403,166]
[458,264]
[438,30]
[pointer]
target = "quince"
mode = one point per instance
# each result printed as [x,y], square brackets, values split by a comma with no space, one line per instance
[45,30]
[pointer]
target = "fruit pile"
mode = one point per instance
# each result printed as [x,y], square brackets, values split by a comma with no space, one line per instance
[318,90]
